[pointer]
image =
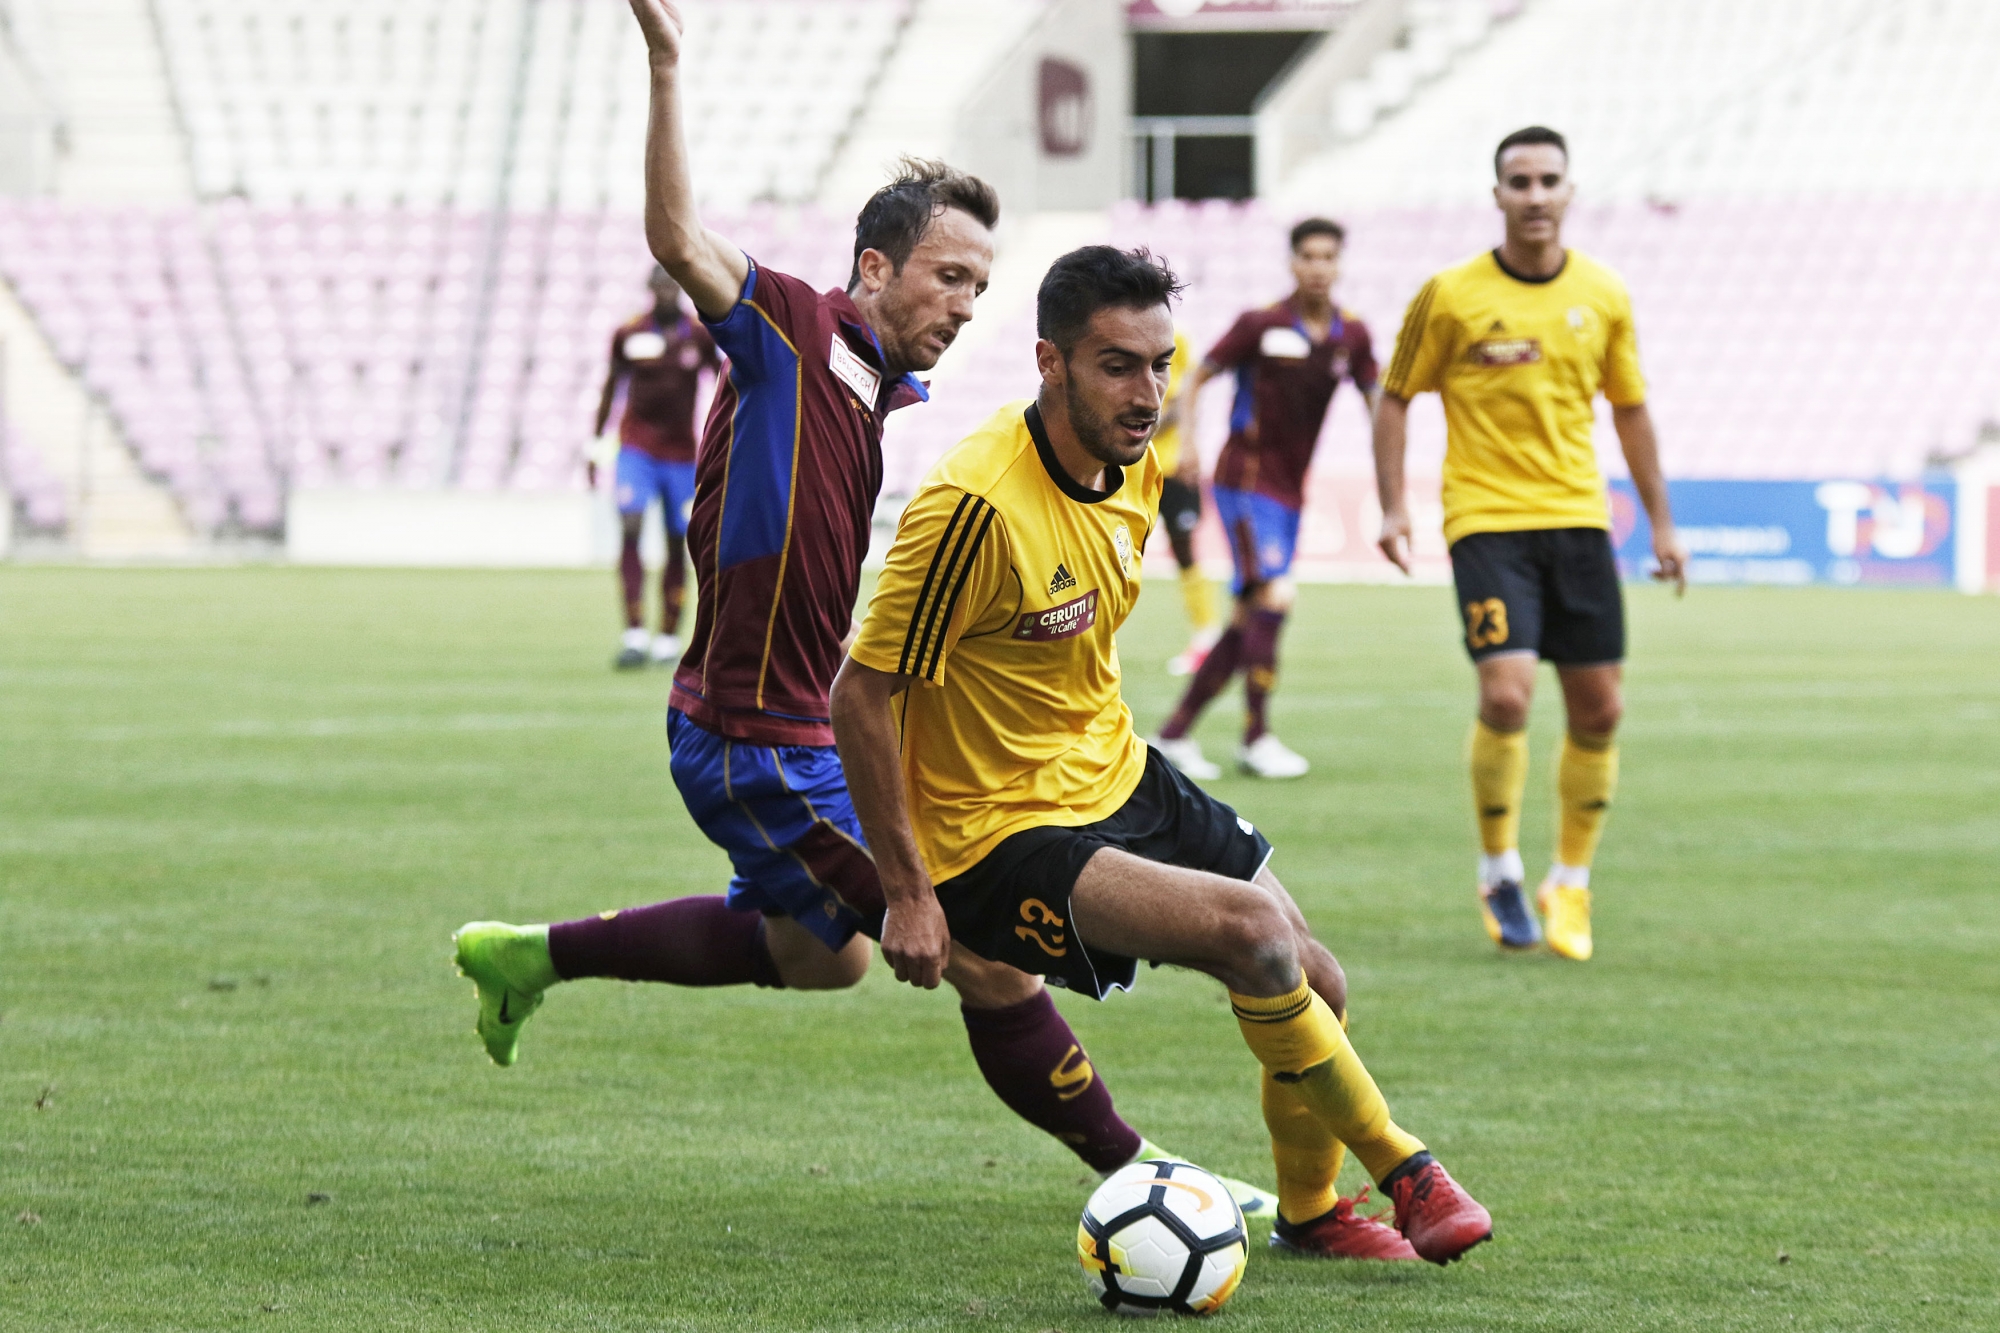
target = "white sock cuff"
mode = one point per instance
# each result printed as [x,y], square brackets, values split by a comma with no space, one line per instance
[1570,877]
[1507,865]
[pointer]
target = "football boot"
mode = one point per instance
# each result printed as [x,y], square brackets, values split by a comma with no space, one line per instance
[1342,1234]
[509,967]
[1504,908]
[1566,917]
[1439,1219]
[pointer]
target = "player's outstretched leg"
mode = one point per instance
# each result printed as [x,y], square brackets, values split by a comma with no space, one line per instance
[1308,1158]
[697,941]
[1241,934]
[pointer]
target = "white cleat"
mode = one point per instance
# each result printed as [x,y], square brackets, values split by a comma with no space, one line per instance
[1269,757]
[631,650]
[1185,754]
[666,648]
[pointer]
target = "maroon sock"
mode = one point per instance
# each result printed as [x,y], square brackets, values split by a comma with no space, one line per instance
[1260,668]
[632,582]
[1216,669]
[673,585]
[1038,1067]
[686,942]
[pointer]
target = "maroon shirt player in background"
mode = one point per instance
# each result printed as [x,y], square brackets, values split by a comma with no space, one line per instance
[657,360]
[789,470]
[1288,360]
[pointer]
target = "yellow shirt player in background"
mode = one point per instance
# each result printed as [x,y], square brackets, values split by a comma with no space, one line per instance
[1014,813]
[1180,515]
[1519,342]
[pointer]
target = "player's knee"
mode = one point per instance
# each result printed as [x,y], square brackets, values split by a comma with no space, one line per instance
[1597,718]
[1323,973]
[988,985]
[1503,705]
[1259,947]
[1276,595]
[812,966]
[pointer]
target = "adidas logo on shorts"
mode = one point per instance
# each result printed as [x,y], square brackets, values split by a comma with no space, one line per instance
[1063,579]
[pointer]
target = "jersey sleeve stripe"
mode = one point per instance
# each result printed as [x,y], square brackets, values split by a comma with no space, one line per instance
[944,561]
[934,616]
[930,578]
[1407,340]
[957,587]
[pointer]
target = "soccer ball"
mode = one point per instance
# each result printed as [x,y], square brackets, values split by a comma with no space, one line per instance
[1161,1236]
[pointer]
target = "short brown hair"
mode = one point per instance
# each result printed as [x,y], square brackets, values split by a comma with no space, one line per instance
[895,218]
[1312,227]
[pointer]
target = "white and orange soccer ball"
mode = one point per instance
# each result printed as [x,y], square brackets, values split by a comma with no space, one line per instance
[1161,1235]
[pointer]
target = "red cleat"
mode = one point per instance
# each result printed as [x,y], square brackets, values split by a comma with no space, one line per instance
[1342,1234]
[1440,1220]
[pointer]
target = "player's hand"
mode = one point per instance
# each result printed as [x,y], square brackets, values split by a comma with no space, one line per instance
[660,21]
[916,940]
[1670,554]
[1395,538]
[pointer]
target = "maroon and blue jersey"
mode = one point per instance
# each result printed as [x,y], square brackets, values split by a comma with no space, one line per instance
[1284,382]
[785,487]
[661,365]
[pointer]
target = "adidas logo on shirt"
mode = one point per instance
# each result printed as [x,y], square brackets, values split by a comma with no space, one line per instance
[1498,326]
[1063,579]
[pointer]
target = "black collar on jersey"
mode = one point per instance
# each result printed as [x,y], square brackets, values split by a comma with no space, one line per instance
[1522,277]
[1113,474]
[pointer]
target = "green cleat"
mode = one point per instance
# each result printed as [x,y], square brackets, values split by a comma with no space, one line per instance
[1258,1205]
[510,967]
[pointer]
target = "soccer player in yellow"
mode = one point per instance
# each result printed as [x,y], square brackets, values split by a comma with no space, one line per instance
[1013,812]
[1180,515]
[1519,342]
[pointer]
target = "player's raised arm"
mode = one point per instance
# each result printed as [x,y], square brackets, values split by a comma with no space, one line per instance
[708,267]
[916,941]
[1392,434]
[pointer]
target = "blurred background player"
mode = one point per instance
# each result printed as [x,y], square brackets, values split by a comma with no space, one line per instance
[1180,515]
[657,360]
[796,436]
[1288,359]
[1518,342]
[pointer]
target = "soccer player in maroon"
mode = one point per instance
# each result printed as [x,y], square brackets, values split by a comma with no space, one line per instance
[785,489]
[657,361]
[1288,359]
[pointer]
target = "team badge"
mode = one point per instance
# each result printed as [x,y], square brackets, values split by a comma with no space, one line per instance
[690,356]
[1579,317]
[1121,542]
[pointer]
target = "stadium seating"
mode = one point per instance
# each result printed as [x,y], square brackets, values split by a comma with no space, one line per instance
[1681,99]
[245,350]
[377,102]
[40,504]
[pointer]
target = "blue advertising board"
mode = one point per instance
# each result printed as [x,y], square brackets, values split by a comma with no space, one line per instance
[1841,532]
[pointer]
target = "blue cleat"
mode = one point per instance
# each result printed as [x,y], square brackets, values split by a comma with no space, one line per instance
[1505,909]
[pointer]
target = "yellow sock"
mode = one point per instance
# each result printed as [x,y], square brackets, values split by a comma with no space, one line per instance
[1499,762]
[1298,1040]
[1199,596]
[1307,1155]
[1586,780]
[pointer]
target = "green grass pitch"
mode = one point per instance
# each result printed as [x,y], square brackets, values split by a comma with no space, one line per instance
[242,810]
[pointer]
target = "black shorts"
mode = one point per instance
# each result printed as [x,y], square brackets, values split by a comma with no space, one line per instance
[1180,506]
[1551,591]
[1013,907]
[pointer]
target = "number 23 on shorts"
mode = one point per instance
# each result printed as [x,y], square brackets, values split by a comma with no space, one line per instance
[1485,623]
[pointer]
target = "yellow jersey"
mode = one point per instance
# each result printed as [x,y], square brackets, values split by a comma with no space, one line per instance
[1167,444]
[1519,363]
[1000,598]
